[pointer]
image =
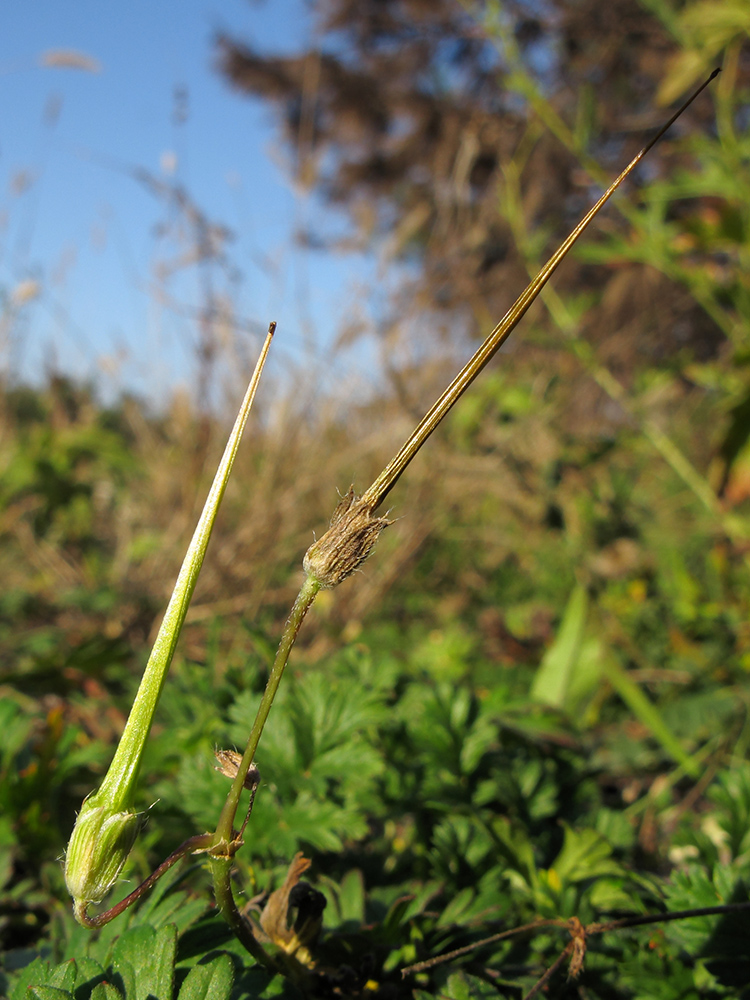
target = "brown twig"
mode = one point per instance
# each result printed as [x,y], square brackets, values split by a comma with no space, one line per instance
[580,934]
[665,918]
[467,949]
[544,979]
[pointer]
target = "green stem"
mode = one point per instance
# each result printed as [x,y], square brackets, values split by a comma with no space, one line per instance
[302,605]
[220,870]
[198,843]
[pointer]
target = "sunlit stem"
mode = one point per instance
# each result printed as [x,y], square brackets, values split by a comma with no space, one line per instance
[385,482]
[302,605]
[221,867]
[191,846]
[224,841]
[395,468]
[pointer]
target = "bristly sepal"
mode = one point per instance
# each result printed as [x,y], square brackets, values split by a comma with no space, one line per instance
[349,540]
[99,847]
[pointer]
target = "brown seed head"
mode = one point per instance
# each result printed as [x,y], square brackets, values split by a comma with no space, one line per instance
[228,763]
[347,543]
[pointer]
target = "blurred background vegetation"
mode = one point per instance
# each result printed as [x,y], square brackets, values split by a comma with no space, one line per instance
[533,699]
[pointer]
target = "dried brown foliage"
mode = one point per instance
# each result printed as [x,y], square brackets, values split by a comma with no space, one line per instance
[406,115]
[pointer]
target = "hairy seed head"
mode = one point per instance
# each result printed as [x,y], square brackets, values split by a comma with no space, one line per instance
[347,543]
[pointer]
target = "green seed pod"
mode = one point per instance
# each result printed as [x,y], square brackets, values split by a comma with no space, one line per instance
[98,848]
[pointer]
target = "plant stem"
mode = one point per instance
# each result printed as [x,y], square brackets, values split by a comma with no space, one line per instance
[191,846]
[301,606]
[220,870]
[224,842]
[377,492]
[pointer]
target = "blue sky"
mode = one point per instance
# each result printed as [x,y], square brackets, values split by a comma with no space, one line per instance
[74,221]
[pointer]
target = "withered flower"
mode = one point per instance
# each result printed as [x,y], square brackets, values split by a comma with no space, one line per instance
[293,915]
[228,763]
[347,543]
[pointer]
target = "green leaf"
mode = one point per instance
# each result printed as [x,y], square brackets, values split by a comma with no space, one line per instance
[351,897]
[421,899]
[212,981]
[648,714]
[721,935]
[151,956]
[585,854]
[105,991]
[64,976]
[256,982]
[125,973]
[36,973]
[516,849]
[458,905]
[88,969]
[49,993]
[556,671]
[461,986]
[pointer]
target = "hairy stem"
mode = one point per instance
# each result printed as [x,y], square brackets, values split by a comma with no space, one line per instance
[220,870]
[195,844]
[301,606]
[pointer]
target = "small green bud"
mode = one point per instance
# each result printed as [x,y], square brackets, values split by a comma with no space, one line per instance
[99,846]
